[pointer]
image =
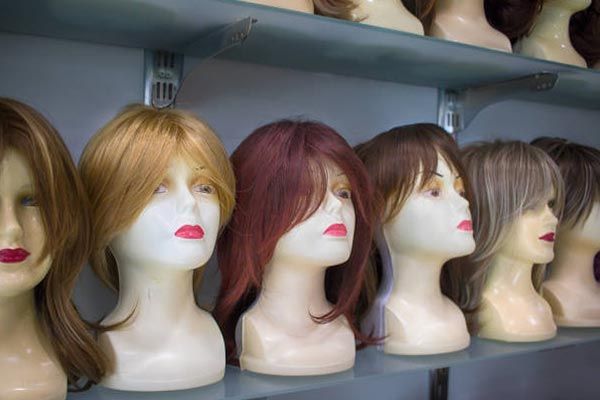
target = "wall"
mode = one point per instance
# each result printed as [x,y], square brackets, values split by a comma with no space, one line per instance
[81,86]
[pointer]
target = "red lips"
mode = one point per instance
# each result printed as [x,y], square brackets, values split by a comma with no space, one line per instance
[337,230]
[466,226]
[13,256]
[548,237]
[190,232]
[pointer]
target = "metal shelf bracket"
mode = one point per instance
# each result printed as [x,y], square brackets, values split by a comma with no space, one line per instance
[458,107]
[163,70]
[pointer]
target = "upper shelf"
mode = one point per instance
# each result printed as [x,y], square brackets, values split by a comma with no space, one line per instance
[370,364]
[294,40]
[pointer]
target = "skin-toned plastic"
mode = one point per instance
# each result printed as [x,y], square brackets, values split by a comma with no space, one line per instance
[549,39]
[306,6]
[278,335]
[511,309]
[175,234]
[464,21]
[28,367]
[571,289]
[391,14]
[433,227]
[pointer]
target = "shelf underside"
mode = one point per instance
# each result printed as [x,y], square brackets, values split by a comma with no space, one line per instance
[294,40]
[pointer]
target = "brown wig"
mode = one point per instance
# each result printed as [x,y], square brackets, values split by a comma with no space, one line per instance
[280,182]
[335,8]
[584,29]
[580,168]
[422,9]
[395,161]
[514,18]
[64,209]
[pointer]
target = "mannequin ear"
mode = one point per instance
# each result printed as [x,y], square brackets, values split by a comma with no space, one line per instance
[341,9]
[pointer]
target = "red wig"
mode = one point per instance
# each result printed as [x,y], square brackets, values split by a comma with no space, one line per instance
[281,181]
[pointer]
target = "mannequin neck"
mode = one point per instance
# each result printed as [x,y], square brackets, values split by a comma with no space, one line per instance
[553,21]
[19,325]
[574,262]
[510,273]
[468,9]
[417,278]
[291,293]
[156,293]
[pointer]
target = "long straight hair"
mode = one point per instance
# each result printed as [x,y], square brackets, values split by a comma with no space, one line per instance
[65,216]
[281,181]
[584,30]
[514,18]
[335,8]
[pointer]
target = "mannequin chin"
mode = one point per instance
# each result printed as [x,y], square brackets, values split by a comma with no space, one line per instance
[294,281]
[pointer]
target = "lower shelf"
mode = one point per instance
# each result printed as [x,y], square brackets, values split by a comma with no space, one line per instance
[370,364]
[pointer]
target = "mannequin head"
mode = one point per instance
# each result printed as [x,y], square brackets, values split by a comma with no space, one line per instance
[517,194]
[294,180]
[45,213]
[422,194]
[580,169]
[161,187]
[584,29]
[514,18]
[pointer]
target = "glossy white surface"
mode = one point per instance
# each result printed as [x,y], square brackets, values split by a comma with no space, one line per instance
[419,319]
[28,368]
[549,39]
[389,14]
[169,343]
[571,289]
[278,335]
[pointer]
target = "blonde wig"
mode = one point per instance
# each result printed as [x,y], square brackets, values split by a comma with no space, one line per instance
[127,159]
[65,217]
[507,180]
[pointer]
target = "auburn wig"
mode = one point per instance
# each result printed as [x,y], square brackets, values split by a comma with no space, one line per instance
[127,159]
[584,29]
[514,18]
[281,181]
[507,179]
[399,161]
[65,217]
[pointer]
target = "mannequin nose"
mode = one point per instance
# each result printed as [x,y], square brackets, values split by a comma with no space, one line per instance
[460,203]
[552,219]
[10,227]
[185,200]
[331,204]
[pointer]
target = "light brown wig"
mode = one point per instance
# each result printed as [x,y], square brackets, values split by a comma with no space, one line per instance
[127,159]
[580,169]
[514,18]
[65,217]
[335,8]
[507,179]
[584,29]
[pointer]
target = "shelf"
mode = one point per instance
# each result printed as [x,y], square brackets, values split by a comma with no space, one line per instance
[370,364]
[294,40]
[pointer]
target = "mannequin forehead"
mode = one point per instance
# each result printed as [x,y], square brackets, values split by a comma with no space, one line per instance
[442,171]
[15,170]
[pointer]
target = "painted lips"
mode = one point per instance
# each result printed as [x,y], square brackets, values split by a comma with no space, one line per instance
[190,232]
[466,226]
[13,256]
[548,237]
[336,230]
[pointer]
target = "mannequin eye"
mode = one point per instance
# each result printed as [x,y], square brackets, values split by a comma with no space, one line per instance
[344,194]
[162,188]
[29,201]
[552,203]
[462,193]
[433,192]
[204,188]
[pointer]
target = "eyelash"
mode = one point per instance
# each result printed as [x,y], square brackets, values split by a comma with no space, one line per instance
[29,201]
[434,192]
[344,193]
[202,188]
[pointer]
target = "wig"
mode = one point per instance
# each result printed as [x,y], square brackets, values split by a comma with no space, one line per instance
[397,161]
[507,179]
[514,18]
[584,29]
[281,181]
[335,8]
[65,217]
[580,169]
[127,159]
[422,9]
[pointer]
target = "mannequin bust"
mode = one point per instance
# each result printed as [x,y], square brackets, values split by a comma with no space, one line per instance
[464,21]
[306,6]
[391,14]
[549,39]
[309,191]
[161,231]
[44,241]
[571,288]
[511,309]
[425,223]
